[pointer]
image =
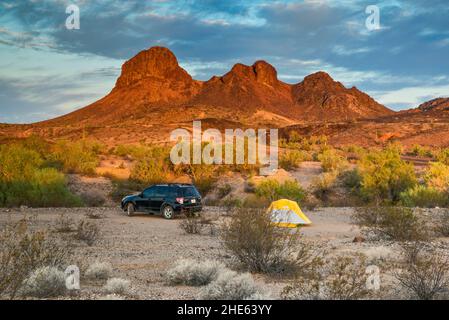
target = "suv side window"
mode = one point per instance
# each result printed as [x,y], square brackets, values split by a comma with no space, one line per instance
[160,191]
[174,192]
[148,193]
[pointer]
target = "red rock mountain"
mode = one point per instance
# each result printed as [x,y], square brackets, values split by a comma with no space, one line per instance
[155,94]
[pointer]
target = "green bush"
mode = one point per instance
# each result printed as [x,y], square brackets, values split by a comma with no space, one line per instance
[76,157]
[424,197]
[443,156]
[437,176]
[332,161]
[291,159]
[23,181]
[273,190]
[384,175]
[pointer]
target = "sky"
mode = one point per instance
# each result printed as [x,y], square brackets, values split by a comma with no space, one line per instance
[48,70]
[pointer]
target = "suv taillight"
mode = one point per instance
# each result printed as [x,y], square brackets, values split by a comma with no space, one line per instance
[180,200]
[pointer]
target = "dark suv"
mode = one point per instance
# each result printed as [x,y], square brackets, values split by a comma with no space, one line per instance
[166,199]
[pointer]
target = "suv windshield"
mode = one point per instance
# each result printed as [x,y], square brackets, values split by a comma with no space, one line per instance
[190,192]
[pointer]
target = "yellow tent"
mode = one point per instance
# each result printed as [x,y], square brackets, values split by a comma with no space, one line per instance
[286,213]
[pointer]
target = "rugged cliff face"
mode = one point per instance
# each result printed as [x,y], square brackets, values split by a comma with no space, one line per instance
[153,95]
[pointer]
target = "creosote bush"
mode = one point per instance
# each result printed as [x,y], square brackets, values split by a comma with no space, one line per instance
[260,246]
[394,223]
[384,175]
[424,197]
[332,161]
[44,282]
[194,273]
[272,190]
[231,286]
[424,274]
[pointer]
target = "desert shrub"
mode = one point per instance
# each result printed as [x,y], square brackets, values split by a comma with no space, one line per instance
[384,175]
[424,275]
[437,176]
[291,159]
[322,185]
[93,198]
[117,286]
[23,251]
[76,157]
[395,223]
[260,246]
[23,181]
[230,286]
[341,278]
[88,232]
[149,171]
[443,156]
[44,282]
[418,150]
[99,270]
[332,161]
[194,273]
[64,223]
[191,224]
[351,179]
[273,190]
[424,197]
[224,190]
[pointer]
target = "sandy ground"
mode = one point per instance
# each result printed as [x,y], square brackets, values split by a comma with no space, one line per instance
[141,248]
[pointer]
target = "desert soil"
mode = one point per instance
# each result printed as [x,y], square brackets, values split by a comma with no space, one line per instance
[143,247]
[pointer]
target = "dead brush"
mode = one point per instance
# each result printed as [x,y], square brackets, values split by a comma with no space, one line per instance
[340,278]
[423,271]
[192,224]
[64,224]
[394,223]
[260,246]
[22,251]
[88,232]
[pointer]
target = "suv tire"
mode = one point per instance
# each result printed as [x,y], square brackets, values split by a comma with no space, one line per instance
[130,209]
[168,212]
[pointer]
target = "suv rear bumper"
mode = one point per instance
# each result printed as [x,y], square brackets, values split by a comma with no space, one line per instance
[188,209]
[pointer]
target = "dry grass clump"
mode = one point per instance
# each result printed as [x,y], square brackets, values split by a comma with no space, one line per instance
[88,232]
[192,224]
[423,273]
[44,282]
[340,278]
[394,223]
[194,273]
[23,251]
[231,286]
[254,241]
[117,286]
[63,224]
[99,271]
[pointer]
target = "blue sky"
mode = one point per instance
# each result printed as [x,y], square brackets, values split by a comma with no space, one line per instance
[48,70]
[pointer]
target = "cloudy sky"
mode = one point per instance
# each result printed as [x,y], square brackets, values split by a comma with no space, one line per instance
[48,70]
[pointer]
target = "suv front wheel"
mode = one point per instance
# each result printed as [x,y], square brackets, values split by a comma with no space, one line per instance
[130,209]
[168,212]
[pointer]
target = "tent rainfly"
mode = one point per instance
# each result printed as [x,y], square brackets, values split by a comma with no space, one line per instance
[287,214]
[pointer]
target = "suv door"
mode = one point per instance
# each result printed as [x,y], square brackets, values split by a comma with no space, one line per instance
[158,198]
[143,202]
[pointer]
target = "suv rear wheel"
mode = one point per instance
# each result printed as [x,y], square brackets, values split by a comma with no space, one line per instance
[168,212]
[130,209]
